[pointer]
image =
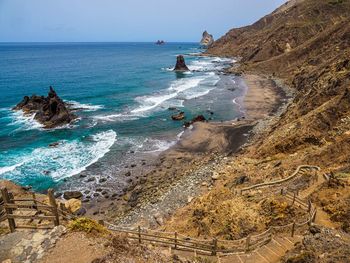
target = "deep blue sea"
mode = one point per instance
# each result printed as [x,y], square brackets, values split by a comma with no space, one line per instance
[124,91]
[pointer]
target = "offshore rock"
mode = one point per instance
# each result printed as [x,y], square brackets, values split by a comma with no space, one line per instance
[207,39]
[50,111]
[180,64]
[178,117]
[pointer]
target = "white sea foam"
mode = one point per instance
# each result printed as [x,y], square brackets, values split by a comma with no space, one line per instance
[85,107]
[25,121]
[176,90]
[115,117]
[180,135]
[65,160]
[154,145]
[239,105]
[11,168]
[179,90]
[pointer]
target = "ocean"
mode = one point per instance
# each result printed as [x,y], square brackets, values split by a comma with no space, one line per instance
[123,90]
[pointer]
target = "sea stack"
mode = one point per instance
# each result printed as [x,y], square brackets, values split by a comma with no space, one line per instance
[207,39]
[180,64]
[51,111]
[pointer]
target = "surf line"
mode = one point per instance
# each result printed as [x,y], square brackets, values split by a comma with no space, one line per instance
[240,108]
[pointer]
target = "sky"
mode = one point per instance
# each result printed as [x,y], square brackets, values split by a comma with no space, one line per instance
[125,20]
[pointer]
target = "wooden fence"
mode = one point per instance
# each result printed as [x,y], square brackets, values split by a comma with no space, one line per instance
[2,210]
[170,239]
[30,209]
[214,246]
[277,182]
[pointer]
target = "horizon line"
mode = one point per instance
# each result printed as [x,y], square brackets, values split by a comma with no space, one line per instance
[191,42]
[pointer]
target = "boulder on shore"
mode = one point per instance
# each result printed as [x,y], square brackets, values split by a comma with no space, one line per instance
[207,39]
[50,111]
[180,64]
[72,194]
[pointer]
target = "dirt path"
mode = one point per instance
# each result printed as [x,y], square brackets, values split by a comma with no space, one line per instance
[75,248]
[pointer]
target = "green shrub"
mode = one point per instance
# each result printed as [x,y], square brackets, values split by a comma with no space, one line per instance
[87,225]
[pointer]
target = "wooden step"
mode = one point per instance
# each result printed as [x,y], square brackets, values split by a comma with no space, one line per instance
[231,259]
[269,253]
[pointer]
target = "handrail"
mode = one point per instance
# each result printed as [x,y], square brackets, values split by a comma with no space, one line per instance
[222,246]
[280,180]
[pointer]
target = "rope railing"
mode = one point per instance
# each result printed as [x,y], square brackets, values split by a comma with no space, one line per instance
[280,181]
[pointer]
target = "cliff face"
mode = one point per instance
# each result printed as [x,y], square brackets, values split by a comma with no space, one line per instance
[306,43]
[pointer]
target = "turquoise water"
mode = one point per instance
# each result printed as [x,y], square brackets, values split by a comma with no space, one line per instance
[124,91]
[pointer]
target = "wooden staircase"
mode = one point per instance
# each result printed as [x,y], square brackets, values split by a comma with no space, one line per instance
[269,253]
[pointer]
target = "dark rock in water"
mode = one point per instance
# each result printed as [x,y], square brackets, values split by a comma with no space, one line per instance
[198,118]
[178,117]
[54,144]
[180,64]
[72,194]
[160,42]
[207,39]
[50,111]
[172,108]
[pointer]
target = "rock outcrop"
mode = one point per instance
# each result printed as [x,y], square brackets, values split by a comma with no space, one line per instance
[178,117]
[50,111]
[72,195]
[180,64]
[199,118]
[160,42]
[207,39]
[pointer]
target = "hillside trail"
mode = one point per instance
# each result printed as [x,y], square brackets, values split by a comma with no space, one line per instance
[273,251]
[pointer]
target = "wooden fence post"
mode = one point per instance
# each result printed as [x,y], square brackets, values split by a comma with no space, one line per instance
[6,198]
[215,247]
[34,201]
[247,241]
[309,206]
[270,233]
[293,199]
[293,229]
[175,240]
[53,203]
[314,216]
[139,230]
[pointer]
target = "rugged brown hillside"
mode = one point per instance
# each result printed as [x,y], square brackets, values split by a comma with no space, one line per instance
[306,43]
